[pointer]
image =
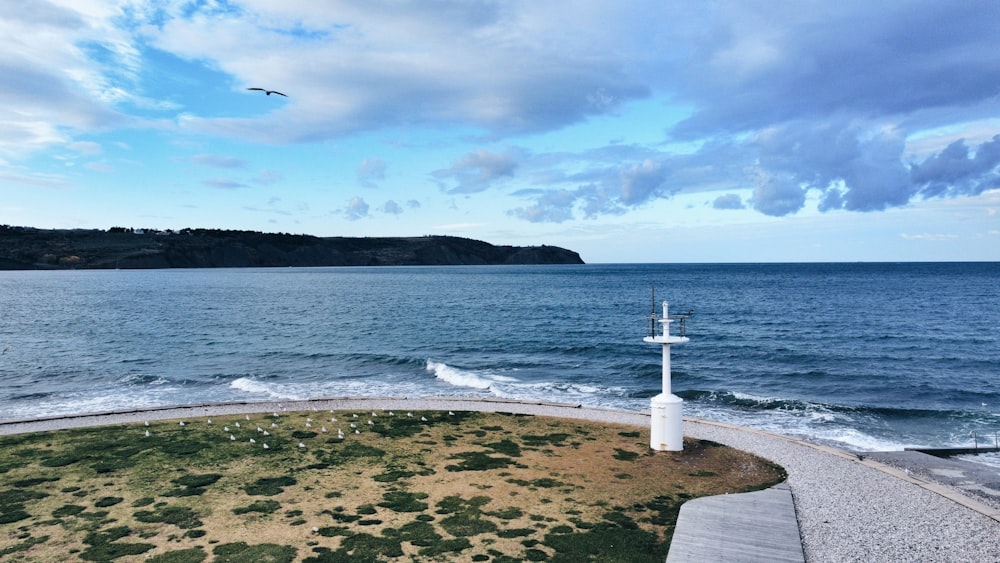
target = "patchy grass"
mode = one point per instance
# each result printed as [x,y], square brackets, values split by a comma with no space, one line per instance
[435,486]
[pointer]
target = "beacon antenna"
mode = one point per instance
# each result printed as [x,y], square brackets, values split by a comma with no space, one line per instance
[653,317]
[681,319]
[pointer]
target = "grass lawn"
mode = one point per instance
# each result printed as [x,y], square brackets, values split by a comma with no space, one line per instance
[418,486]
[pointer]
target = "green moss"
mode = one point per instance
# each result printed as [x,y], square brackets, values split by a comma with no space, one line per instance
[261,506]
[12,501]
[180,516]
[179,447]
[61,460]
[606,542]
[105,502]
[241,552]
[467,524]
[269,486]
[455,503]
[68,510]
[32,482]
[535,555]
[27,544]
[506,447]
[515,533]
[509,513]
[196,481]
[625,455]
[366,547]
[342,517]
[105,547]
[479,461]
[332,531]
[352,451]
[665,510]
[442,547]
[420,534]
[537,441]
[402,501]
[190,555]
[541,483]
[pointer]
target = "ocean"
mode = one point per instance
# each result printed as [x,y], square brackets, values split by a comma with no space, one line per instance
[863,356]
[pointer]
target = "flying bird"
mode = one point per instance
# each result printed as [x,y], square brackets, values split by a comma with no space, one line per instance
[268,92]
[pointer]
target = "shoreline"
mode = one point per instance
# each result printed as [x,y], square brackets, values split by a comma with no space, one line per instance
[848,507]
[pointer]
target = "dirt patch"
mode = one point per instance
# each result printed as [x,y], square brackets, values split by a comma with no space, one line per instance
[359,486]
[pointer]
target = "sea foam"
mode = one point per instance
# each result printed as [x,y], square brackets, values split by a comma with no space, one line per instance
[272,391]
[457,377]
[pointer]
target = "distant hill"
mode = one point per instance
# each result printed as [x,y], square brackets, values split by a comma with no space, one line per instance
[27,248]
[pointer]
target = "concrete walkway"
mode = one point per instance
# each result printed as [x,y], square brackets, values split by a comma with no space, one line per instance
[740,528]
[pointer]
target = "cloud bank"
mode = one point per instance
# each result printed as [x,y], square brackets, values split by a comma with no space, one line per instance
[785,103]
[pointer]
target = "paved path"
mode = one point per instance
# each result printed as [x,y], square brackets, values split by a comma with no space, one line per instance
[848,508]
[739,528]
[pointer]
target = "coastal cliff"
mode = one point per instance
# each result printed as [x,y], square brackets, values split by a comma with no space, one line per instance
[26,248]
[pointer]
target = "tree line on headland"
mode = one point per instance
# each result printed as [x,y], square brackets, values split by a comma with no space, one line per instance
[28,248]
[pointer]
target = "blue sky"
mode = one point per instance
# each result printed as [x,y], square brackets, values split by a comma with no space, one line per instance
[682,131]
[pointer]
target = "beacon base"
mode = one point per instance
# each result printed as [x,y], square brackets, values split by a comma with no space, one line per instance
[666,425]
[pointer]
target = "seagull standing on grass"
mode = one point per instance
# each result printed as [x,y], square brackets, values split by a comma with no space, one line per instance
[268,92]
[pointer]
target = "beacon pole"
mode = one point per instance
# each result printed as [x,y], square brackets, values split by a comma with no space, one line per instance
[666,422]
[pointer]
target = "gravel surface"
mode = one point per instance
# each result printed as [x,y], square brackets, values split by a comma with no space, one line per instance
[848,509]
[853,510]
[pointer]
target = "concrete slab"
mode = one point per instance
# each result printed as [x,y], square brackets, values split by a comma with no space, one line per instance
[974,479]
[740,528]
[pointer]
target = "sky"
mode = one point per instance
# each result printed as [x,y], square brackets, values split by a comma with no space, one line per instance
[628,131]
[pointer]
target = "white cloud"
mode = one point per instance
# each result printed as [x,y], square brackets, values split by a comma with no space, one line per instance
[225,184]
[928,236]
[392,208]
[371,171]
[356,209]
[217,161]
[88,148]
[476,171]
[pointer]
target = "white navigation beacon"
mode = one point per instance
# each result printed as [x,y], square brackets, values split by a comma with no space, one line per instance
[666,424]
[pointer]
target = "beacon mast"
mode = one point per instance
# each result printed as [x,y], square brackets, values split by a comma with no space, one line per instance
[666,432]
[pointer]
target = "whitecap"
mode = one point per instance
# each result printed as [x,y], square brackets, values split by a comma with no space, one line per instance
[248,385]
[457,377]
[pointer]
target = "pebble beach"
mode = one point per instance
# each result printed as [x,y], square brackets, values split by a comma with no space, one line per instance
[848,508]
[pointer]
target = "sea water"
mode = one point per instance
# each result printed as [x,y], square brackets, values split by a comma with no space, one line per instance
[863,356]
